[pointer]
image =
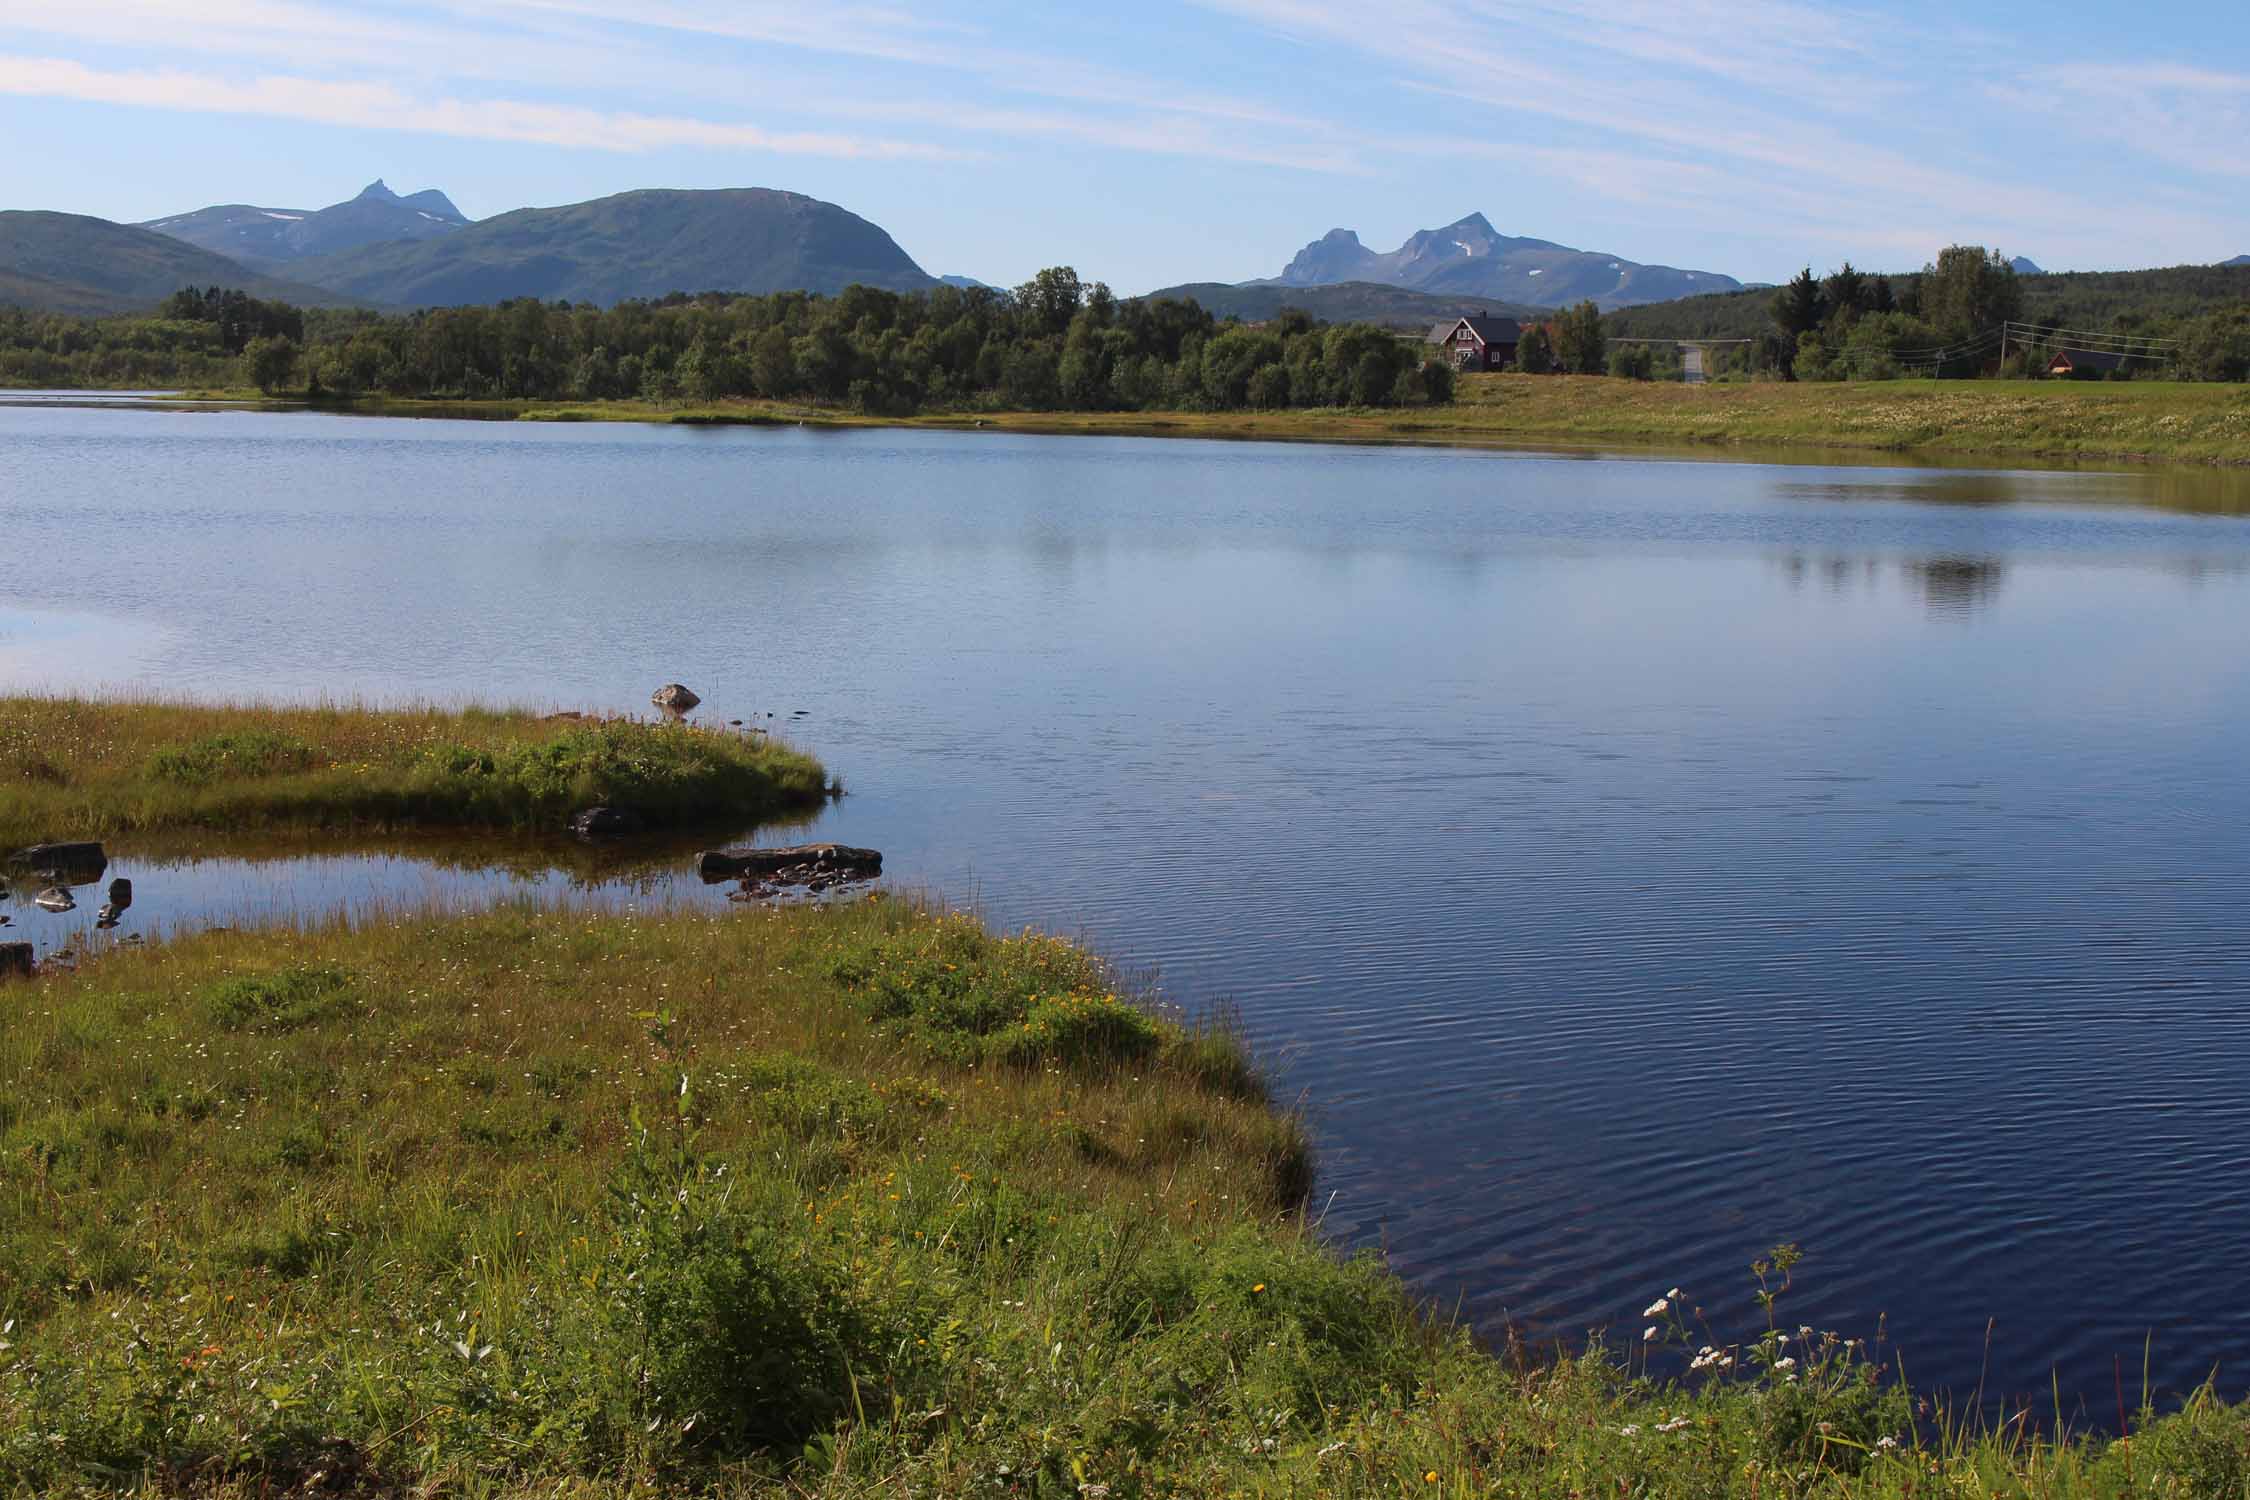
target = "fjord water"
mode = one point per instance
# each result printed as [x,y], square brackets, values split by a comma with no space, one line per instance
[1632,863]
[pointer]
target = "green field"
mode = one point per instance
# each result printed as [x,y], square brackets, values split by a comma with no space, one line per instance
[1989,419]
[72,769]
[857,1201]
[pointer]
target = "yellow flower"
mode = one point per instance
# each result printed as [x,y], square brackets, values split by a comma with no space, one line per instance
[1430,1477]
[1261,1286]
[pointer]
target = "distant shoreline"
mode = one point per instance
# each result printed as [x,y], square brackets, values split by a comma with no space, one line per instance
[2138,422]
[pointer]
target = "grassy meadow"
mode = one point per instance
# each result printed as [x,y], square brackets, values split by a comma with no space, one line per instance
[2052,420]
[856,1201]
[73,768]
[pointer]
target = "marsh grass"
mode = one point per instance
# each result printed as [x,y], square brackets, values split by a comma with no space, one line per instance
[75,768]
[557,1203]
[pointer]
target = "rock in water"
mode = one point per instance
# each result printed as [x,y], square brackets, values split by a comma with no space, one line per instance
[55,898]
[71,864]
[121,893]
[799,864]
[673,698]
[606,823]
[16,961]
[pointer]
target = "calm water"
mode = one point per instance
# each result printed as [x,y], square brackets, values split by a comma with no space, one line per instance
[1633,863]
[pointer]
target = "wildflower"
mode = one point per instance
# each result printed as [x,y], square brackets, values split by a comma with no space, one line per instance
[1430,1477]
[1672,1295]
[1261,1286]
[1785,1363]
[1886,1442]
[1630,1429]
[1674,1425]
[1658,1308]
[1648,1334]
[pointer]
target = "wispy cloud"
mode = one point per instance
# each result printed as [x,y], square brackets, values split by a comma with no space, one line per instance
[379,106]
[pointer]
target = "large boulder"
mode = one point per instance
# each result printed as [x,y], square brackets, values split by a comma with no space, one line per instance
[795,863]
[16,961]
[673,698]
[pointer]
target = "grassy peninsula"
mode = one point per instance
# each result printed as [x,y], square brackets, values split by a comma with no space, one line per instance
[75,768]
[848,1202]
[2049,420]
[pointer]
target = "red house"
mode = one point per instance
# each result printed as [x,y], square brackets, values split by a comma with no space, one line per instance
[1479,342]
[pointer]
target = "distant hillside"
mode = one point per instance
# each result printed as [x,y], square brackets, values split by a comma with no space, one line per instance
[1344,302]
[968,283]
[643,244]
[2024,265]
[70,263]
[262,237]
[2239,260]
[1469,257]
[2070,299]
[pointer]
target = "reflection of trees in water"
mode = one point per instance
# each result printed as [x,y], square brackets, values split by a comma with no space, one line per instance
[1833,572]
[1955,587]
[2199,568]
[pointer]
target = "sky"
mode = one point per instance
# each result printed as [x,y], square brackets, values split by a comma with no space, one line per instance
[1155,143]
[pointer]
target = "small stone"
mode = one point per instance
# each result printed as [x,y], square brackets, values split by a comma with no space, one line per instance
[55,898]
[606,823]
[674,698]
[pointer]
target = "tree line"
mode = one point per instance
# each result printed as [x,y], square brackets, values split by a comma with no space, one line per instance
[1054,343]
[1851,324]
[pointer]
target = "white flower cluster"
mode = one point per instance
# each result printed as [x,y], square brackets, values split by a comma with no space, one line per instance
[1708,1358]
[1674,1425]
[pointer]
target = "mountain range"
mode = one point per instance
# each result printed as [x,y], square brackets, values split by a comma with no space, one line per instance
[88,267]
[268,237]
[1344,302]
[2239,260]
[1469,257]
[386,251]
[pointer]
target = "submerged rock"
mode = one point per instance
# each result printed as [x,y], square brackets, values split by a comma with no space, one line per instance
[673,698]
[69,864]
[55,898]
[16,961]
[120,898]
[798,864]
[606,823]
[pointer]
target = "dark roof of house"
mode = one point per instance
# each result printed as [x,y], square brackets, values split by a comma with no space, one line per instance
[1488,329]
[2090,359]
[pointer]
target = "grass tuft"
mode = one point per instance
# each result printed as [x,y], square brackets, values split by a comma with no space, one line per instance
[70,768]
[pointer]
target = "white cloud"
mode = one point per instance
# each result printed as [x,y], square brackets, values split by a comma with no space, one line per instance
[379,106]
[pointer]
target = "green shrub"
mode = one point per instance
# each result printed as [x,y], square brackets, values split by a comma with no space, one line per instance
[217,757]
[968,996]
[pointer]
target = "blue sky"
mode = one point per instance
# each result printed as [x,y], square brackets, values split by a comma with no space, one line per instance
[1160,142]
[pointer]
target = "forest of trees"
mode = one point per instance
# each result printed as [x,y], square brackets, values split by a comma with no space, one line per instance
[1945,319]
[1053,343]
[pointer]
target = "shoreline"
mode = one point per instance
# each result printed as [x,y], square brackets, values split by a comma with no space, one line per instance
[826,1197]
[2138,424]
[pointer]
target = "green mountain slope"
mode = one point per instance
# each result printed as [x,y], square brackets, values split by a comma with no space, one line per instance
[1343,302]
[643,244]
[70,263]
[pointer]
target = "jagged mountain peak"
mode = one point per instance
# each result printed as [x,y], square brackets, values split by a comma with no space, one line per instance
[1471,258]
[378,190]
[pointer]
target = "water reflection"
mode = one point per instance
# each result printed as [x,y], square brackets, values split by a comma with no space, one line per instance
[1956,587]
[1620,876]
